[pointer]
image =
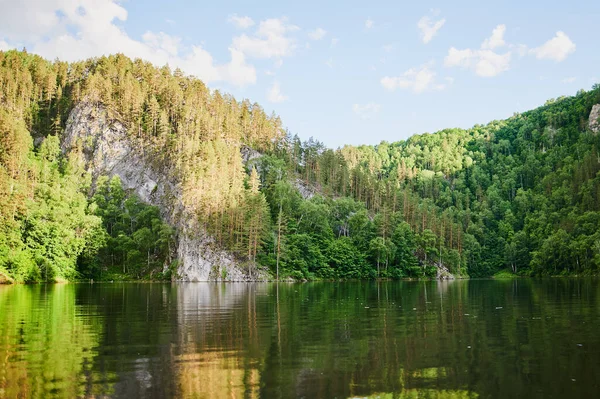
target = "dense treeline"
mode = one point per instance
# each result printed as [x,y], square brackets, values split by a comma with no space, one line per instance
[133,240]
[520,194]
[337,237]
[45,223]
[183,129]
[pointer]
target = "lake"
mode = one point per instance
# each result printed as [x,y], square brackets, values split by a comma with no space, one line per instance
[421,339]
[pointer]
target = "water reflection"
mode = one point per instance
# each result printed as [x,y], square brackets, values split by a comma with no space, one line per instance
[44,347]
[462,339]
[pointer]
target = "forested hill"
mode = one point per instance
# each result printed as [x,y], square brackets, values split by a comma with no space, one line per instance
[521,195]
[59,219]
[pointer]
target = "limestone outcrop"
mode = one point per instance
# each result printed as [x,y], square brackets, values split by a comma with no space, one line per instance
[107,149]
[594,121]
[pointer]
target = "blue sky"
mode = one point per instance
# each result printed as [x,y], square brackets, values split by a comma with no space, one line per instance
[344,72]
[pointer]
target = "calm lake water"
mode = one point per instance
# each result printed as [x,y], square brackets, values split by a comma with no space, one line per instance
[457,339]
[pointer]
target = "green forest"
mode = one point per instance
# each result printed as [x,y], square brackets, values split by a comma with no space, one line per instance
[519,196]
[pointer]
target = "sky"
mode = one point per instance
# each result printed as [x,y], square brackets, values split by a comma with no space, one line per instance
[344,72]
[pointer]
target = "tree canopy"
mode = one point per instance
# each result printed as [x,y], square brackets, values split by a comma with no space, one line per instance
[521,194]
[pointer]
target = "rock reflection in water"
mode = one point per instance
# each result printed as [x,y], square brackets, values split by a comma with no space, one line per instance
[463,339]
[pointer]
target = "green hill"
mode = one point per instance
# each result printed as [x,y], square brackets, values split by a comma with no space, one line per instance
[203,174]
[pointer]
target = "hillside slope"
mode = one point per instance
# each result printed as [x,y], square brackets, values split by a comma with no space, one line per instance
[521,194]
[113,168]
[108,150]
[171,142]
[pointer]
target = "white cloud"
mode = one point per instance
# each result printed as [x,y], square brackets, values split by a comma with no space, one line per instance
[329,62]
[78,29]
[240,22]
[4,46]
[388,48]
[520,49]
[369,23]
[317,34]
[366,111]
[275,95]
[557,48]
[462,58]
[334,41]
[30,20]
[271,40]
[417,80]
[429,27]
[497,38]
[491,64]
[162,42]
[484,62]
[570,79]
[236,71]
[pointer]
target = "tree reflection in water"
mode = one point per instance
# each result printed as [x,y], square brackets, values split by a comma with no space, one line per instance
[463,339]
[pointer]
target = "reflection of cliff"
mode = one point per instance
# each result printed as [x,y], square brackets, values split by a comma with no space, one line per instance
[215,300]
[218,333]
[317,340]
[217,375]
[401,339]
[213,316]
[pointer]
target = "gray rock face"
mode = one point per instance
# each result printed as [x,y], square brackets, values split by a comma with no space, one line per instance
[443,273]
[594,122]
[108,150]
[249,154]
[306,190]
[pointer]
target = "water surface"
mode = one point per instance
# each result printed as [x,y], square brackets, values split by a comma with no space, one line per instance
[458,339]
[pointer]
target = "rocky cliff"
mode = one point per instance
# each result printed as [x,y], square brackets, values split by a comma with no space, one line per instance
[108,150]
[594,122]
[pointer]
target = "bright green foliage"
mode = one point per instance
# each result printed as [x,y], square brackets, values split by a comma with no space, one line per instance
[347,260]
[521,194]
[134,242]
[61,344]
[48,229]
[45,218]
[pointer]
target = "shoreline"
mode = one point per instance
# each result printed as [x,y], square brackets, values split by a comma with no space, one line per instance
[289,281]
